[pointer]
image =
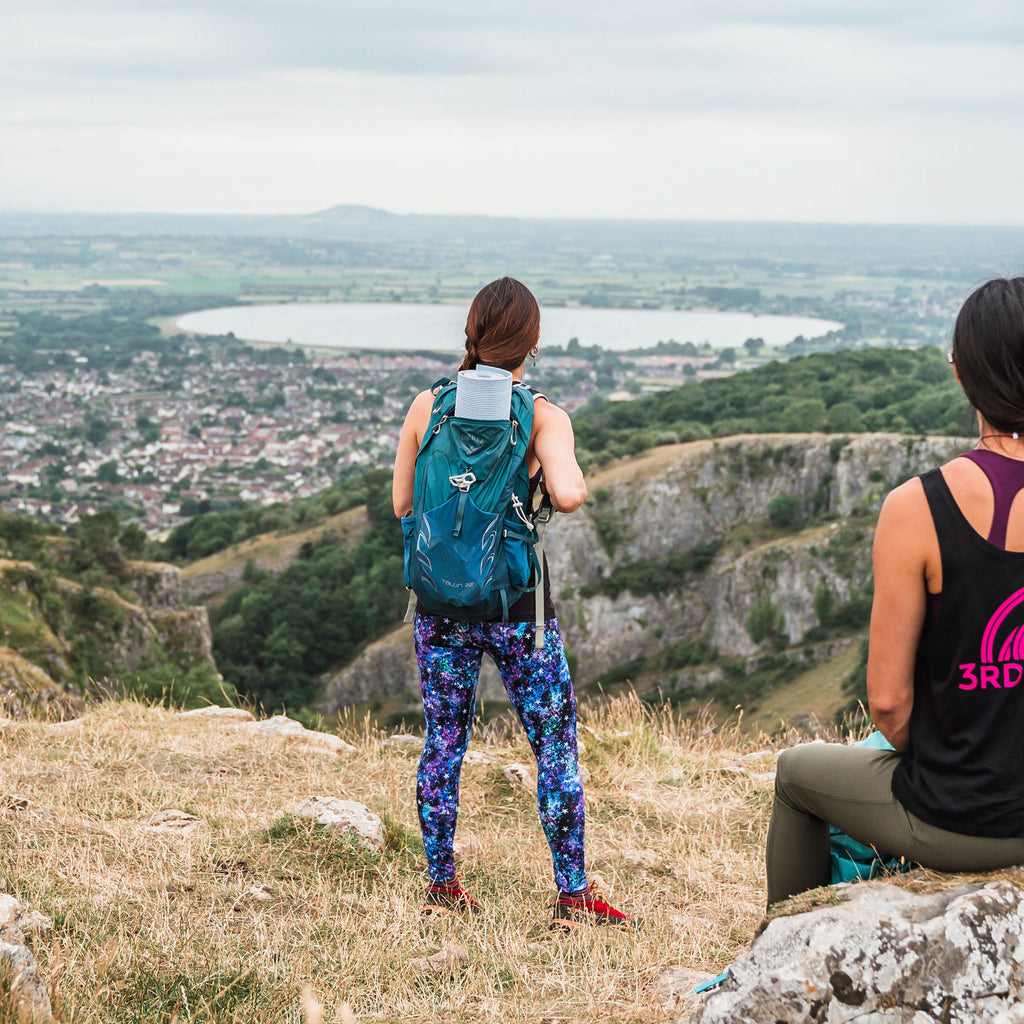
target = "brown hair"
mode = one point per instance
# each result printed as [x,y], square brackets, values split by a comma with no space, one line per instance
[503,325]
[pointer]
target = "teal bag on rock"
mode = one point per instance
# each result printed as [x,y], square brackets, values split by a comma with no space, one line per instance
[851,861]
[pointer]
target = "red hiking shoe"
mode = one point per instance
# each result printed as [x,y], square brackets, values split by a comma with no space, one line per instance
[447,898]
[587,907]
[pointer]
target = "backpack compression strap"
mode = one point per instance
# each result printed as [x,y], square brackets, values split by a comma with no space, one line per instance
[540,521]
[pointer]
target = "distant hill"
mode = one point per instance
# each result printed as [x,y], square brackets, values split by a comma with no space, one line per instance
[907,250]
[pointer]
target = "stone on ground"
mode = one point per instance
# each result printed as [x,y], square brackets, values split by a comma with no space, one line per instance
[352,818]
[282,725]
[520,775]
[172,822]
[21,988]
[225,714]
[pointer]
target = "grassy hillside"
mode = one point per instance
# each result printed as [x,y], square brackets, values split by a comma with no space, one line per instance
[911,391]
[227,923]
[209,579]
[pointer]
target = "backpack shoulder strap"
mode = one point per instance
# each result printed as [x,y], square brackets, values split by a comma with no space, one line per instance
[443,408]
[523,398]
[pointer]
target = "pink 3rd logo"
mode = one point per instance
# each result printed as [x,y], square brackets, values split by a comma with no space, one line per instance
[1002,670]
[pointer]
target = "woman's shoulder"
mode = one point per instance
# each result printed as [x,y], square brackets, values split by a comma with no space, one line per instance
[422,403]
[906,502]
[544,410]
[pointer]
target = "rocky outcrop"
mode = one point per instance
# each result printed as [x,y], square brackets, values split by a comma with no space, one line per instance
[671,500]
[387,669]
[885,955]
[752,597]
[56,619]
[155,585]
[283,726]
[26,689]
[703,493]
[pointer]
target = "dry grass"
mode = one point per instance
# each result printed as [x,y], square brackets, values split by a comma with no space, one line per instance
[159,928]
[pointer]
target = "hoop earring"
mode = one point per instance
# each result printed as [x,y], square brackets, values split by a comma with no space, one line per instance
[533,356]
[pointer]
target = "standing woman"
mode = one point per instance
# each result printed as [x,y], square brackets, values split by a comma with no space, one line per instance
[945,670]
[502,329]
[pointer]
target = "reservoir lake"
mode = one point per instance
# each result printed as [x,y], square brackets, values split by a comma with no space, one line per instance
[441,328]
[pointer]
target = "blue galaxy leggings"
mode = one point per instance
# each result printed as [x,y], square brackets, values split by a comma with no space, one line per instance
[448,653]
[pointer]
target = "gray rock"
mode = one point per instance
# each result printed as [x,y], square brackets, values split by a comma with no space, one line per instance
[674,987]
[884,956]
[282,725]
[20,985]
[520,775]
[32,924]
[478,757]
[450,958]
[172,822]
[353,818]
[225,714]
[155,585]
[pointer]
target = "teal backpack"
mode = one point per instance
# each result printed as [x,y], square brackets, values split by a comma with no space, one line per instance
[470,544]
[850,861]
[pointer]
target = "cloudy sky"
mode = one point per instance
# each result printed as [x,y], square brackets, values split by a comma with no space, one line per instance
[726,109]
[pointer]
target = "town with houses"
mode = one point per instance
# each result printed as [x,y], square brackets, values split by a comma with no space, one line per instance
[159,445]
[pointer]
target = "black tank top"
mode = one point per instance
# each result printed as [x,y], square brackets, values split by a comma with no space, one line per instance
[964,768]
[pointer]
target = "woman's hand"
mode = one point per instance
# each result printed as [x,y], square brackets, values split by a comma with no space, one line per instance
[905,546]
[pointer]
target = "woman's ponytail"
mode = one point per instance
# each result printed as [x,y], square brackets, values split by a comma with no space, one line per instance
[470,359]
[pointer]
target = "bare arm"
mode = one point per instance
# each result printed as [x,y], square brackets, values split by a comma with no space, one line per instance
[416,420]
[555,448]
[901,555]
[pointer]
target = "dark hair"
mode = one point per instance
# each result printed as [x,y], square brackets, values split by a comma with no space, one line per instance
[502,326]
[988,349]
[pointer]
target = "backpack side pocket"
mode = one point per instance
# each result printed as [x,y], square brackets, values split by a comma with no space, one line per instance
[518,541]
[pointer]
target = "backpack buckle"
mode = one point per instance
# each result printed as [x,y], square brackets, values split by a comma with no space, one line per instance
[463,481]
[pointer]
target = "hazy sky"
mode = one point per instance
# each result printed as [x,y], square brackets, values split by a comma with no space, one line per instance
[802,110]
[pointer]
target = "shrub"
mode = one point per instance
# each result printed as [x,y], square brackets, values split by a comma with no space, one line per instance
[175,687]
[765,622]
[782,510]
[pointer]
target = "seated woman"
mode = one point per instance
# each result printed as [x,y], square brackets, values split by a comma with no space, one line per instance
[945,670]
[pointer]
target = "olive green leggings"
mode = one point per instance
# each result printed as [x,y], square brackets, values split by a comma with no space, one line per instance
[819,784]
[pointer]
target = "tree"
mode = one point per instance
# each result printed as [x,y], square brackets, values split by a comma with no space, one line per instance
[806,415]
[844,417]
[132,540]
[96,430]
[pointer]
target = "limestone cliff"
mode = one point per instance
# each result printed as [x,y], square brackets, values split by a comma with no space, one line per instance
[735,548]
[59,637]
